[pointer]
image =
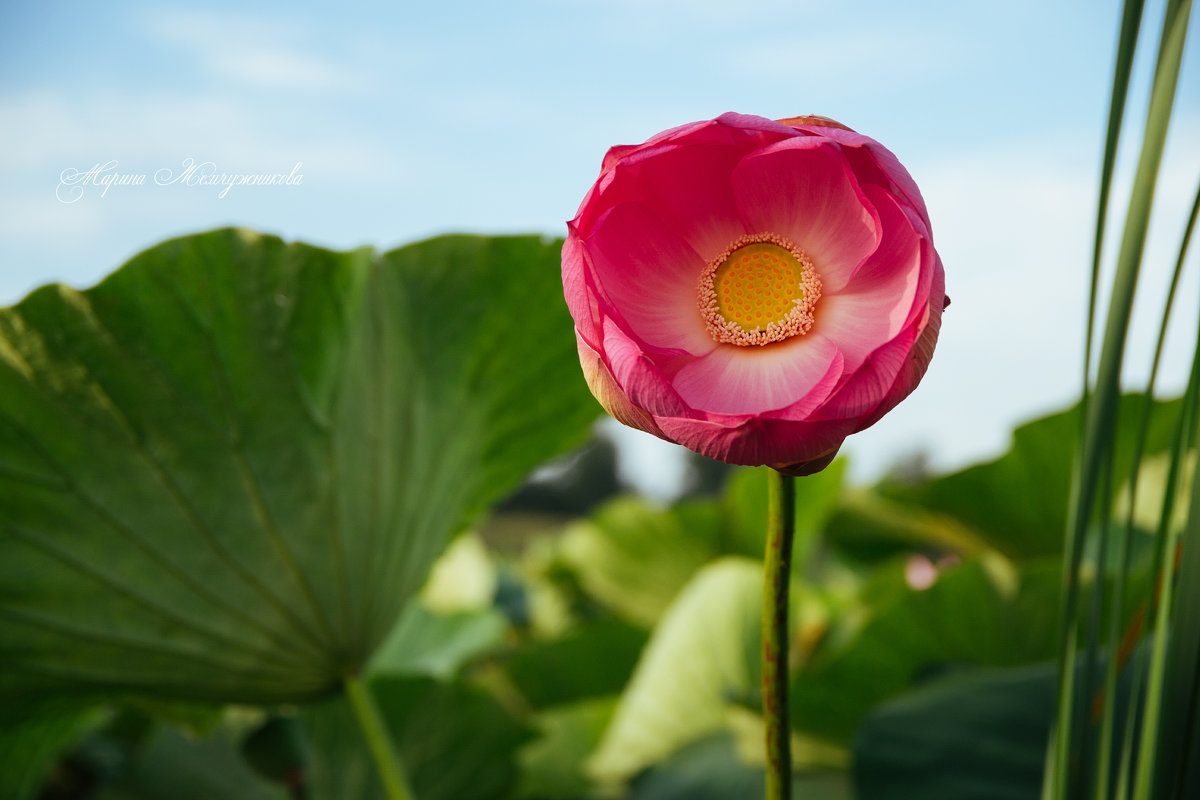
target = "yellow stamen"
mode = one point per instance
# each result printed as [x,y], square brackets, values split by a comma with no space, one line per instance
[761,289]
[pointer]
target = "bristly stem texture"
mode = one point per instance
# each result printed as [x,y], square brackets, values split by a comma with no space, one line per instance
[781,529]
[379,741]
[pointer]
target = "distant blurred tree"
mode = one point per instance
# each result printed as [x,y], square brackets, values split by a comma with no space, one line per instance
[572,486]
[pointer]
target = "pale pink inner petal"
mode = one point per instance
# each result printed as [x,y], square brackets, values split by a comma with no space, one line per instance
[754,380]
[870,382]
[800,188]
[896,372]
[874,306]
[649,273]
[857,324]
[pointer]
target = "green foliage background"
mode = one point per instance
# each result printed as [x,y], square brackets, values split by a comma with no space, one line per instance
[240,476]
[227,471]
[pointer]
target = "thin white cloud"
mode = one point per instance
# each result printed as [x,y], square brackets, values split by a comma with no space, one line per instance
[682,11]
[254,51]
[867,56]
[281,69]
[160,129]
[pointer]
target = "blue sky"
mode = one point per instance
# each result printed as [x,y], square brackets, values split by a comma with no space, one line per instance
[409,120]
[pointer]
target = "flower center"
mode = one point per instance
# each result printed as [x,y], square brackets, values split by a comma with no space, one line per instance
[762,289]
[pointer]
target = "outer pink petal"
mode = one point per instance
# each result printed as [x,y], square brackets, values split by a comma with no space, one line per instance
[638,374]
[756,123]
[801,188]
[931,271]
[913,370]
[576,288]
[759,440]
[922,351]
[618,184]
[874,306]
[866,387]
[746,132]
[619,152]
[755,380]
[893,371]
[605,389]
[649,274]
[809,466]
[609,190]
[880,165]
[897,259]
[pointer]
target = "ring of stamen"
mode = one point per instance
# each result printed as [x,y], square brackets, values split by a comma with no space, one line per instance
[761,289]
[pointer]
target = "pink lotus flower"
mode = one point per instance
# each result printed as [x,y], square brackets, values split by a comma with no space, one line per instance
[754,290]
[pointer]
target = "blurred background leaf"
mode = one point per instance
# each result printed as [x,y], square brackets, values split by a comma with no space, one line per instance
[968,616]
[979,734]
[554,766]
[591,660]
[710,769]
[175,766]
[30,748]
[702,658]
[455,741]
[634,557]
[438,645]
[1016,504]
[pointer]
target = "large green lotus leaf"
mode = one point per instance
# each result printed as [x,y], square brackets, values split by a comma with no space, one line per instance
[702,659]
[224,469]
[980,735]
[1016,504]
[455,741]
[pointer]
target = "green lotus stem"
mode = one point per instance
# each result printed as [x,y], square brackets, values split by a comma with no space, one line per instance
[777,572]
[379,741]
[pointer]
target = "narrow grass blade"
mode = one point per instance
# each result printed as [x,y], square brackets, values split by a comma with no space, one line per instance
[1063,776]
[1116,623]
